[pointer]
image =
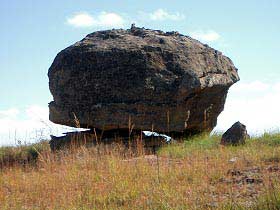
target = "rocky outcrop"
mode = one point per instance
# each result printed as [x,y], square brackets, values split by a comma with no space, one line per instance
[149,141]
[235,135]
[140,78]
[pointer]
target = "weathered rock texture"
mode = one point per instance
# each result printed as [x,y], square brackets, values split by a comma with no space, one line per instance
[165,81]
[235,135]
[150,141]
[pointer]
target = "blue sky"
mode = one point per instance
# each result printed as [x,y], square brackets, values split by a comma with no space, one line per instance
[33,32]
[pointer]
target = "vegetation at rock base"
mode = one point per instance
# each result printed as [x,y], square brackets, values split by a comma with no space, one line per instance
[198,173]
[22,154]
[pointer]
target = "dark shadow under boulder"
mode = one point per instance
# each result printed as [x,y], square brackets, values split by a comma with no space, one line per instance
[150,141]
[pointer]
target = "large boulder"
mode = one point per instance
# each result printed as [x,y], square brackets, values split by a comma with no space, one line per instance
[140,78]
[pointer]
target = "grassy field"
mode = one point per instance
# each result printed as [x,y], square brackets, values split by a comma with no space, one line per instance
[195,174]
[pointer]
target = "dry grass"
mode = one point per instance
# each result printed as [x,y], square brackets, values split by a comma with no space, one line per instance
[196,174]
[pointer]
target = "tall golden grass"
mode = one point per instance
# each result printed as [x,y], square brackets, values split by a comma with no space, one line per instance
[195,174]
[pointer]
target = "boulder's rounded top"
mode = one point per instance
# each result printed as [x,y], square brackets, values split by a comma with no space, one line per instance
[139,38]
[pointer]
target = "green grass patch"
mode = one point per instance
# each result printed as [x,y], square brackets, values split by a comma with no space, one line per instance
[10,155]
[202,142]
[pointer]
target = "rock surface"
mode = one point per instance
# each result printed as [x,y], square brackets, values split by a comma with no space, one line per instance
[148,79]
[235,135]
[149,140]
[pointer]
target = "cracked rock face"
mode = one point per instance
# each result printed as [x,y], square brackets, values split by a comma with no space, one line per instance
[140,78]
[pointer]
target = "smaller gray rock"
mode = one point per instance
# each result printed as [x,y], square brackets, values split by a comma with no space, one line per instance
[235,135]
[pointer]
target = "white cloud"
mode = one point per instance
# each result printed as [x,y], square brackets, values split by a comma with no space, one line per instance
[110,19]
[36,112]
[256,104]
[9,113]
[28,126]
[205,36]
[81,20]
[276,87]
[255,86]
[161,14]
[103,19]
